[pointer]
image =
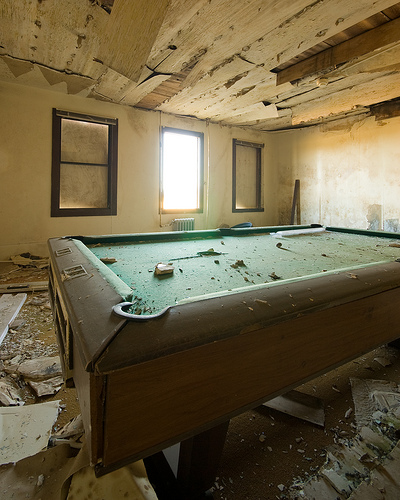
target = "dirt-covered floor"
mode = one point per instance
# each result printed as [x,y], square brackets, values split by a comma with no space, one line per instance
[266,453]
[32,336]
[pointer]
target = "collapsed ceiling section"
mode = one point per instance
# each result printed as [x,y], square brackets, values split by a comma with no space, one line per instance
[264,64]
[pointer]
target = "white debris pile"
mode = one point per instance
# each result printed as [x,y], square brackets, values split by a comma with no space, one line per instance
[29,363]
[364,462]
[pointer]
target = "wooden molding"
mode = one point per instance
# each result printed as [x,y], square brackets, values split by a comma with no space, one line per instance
[355,47]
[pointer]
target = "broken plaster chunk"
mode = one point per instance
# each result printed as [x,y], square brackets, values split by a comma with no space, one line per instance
[340,483]
[163,269]
[73,428]
[108,260]
[40,368]
[26,430]
[28,260]
[47,387]
[10,394]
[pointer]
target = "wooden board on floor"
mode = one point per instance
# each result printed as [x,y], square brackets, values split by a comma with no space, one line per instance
[299,405]
[33,286]
[10,306]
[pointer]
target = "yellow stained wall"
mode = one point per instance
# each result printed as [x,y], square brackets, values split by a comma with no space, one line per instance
[25,171]
[349,173]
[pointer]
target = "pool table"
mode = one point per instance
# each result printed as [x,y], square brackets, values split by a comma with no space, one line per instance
[168,335]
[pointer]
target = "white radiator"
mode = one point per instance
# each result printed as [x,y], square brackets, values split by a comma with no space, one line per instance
[183,224]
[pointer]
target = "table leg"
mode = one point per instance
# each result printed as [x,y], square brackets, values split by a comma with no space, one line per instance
[199,459]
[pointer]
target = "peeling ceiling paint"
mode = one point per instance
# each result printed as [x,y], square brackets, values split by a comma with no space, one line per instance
[213,60]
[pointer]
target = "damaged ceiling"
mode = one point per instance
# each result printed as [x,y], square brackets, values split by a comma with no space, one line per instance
[264,64]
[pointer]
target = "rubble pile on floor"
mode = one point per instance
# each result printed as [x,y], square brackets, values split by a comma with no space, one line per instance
[363,467]
[26,360]
[39,460]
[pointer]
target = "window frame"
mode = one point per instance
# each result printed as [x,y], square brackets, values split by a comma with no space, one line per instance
[112,166]
[200,136]
[258,147]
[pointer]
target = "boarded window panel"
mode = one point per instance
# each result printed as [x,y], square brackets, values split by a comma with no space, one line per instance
[246,177]
[84,142]
[83,186]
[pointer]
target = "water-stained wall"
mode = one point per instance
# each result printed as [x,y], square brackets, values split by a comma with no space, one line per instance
[349,173]
[25,171]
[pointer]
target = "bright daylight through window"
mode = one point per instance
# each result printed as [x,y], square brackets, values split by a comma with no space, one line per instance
[181,171]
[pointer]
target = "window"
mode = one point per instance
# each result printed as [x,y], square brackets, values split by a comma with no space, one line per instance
[181,185]
[246,177]
[84,165]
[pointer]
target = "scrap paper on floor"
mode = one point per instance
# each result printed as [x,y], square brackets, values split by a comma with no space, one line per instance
[25,430]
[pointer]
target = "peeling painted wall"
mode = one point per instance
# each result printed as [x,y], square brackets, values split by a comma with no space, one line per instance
[25,171]
[349,173]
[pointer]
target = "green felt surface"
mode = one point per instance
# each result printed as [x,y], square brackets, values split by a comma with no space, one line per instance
[118,284]
[193,276]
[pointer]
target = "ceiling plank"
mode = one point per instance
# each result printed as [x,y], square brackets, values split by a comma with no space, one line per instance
[62,36]
[360,45]
[383,60]
[255,19]
[318,22]
[163,91]
[353,73]
[223,79]
[283,122]
[111,85]
[253,113]
[227,100]
[220,30]
[278,38]
[130,34]
[376,90]
[141,91]
[177,17]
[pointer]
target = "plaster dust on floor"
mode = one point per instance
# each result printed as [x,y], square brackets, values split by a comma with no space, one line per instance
[32,336]
[267,454]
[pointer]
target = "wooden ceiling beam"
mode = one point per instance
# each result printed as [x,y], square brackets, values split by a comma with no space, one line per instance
[360,45]
[386,110]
